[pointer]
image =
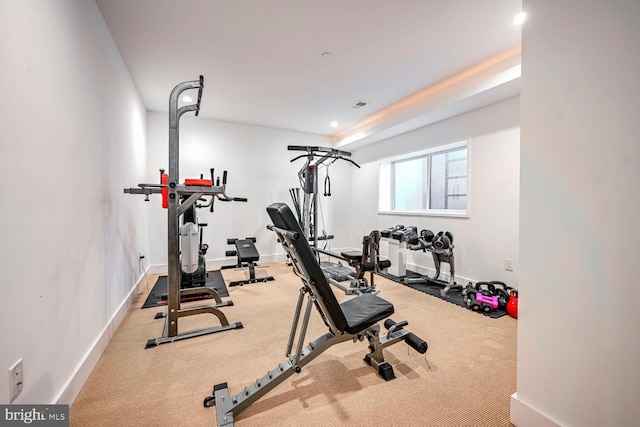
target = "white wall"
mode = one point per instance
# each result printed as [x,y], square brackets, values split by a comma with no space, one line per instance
[490,234]
[259,168]
[578,346]
[73,135]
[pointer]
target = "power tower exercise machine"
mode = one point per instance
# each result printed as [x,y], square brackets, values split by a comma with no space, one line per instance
[180,200]
[354,320]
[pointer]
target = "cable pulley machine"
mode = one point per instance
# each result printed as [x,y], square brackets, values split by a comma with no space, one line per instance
[307,208]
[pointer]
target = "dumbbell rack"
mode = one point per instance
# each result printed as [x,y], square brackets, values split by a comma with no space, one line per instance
[175,209]
[396,253]
[395,250]
[440,254]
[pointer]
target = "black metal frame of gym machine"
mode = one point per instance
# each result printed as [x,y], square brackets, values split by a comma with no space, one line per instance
[308,176]
[174,210]
[308,212]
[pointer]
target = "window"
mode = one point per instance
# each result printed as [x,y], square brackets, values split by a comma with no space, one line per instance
[431,181]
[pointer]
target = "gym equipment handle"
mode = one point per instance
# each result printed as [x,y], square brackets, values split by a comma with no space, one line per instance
[390,323]
[311,149]
[200,94]
[289,234]
[239,199]
[300,148]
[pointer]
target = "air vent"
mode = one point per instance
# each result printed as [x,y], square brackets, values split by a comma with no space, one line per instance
[359,104]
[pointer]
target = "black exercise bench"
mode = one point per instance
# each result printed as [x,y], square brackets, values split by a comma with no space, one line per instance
[248,256]
[354,320]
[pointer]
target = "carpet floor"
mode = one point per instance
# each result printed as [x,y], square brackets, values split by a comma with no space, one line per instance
[466,378]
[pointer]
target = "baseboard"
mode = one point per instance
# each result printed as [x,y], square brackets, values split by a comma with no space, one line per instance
[219,262]
[158,269]
[216,263]
[524,415]
[71,389]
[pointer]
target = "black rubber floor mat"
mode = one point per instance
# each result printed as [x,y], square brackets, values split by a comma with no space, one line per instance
[156,299]
[454,296]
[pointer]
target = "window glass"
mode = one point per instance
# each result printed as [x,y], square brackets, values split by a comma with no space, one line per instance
[408,184]
[431,181]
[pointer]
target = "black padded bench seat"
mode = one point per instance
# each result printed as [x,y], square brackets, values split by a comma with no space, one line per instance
[364,311]
[352,316]
[248,255]
[247,251]
[352,255]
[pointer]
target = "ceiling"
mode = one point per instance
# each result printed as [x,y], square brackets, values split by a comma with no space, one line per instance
[411,61]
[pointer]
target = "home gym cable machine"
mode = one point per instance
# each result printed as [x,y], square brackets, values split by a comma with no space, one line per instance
[307,208]
[307,214]
[178,199]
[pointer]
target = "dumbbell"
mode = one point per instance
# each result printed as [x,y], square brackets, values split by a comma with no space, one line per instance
[487,297]
[400,234]
[411,235]
[388,231]
[469,293]
[487,303]
[486,288]
[480,297]
[501,290]
[443,240]
[427,235]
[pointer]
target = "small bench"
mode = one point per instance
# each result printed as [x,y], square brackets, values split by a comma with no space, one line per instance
[248,255]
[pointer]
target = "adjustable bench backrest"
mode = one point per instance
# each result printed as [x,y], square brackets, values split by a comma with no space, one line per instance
[282,217]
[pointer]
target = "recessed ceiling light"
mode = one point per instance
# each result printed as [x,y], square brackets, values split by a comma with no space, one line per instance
[334,124]
[519,18]
[326,54]
[187,98]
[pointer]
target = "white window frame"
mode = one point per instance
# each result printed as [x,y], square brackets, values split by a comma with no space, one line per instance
[386,184]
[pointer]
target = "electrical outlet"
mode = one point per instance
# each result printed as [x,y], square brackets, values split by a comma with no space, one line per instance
[508,264]
[15,380]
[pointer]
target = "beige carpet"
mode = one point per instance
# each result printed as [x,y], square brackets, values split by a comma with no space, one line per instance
[472,361]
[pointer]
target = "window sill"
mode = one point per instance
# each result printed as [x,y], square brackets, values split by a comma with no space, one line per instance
[450,214]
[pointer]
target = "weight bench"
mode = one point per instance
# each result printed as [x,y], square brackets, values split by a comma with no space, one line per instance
[354,320]
[248,255]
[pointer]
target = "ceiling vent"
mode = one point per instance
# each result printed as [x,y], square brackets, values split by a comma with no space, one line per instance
[358,105]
